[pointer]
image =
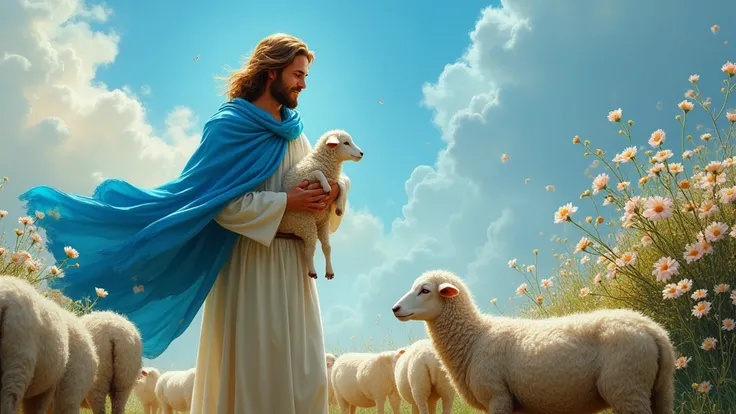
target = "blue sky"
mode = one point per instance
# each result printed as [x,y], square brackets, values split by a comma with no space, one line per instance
[461,85]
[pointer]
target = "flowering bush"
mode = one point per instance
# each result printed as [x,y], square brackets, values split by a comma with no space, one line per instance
[672,252]
[20,258]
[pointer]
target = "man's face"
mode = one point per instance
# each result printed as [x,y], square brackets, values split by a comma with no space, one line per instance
[290,82]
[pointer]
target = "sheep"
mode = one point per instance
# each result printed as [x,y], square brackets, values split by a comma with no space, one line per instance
[365,380]
[119,348]
[79,373]
[330,361]
[422,381]
[174,390]
[322,164]
[145,389]
[581,363]
[34,347]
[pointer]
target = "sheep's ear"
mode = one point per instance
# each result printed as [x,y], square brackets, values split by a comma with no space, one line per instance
[144,372]
[399,353]
[332,141]
[448,290]
[329,364]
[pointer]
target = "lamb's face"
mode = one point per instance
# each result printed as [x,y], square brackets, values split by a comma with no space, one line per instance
[425,300]
[342,143]
[330,360]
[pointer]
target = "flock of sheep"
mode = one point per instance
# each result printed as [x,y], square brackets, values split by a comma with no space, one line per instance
[53,361]
[581,363]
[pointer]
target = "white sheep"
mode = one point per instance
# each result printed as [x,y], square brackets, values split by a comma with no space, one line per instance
[79,373]
[174,390]
[365,380]
[580,363]
[145,389]
[421,380]
[322,164]
[119,348]
[330,361]
[34,339]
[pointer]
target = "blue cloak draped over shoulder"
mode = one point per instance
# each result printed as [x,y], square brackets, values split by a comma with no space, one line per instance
[158,251]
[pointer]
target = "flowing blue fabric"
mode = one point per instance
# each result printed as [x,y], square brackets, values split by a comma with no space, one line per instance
[164,239]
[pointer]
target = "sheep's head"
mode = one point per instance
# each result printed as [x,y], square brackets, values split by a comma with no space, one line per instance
[330,360]
[428,296]
[397,354]
[148,374]
[341,143]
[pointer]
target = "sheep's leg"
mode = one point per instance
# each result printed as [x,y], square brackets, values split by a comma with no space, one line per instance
[323,232]
[166,409]
[501,403]
[341,198]
[96,399]
[345,407]
[308,233]
[319,176]
[447,404]
[118,399]
[395,401]
[380,404]
[353,409]
[414,409]
[38,404]
[432,404]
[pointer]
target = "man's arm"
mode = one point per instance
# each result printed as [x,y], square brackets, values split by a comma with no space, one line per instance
[255,215]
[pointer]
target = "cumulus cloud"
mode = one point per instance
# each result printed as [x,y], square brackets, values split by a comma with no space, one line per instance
[62,127]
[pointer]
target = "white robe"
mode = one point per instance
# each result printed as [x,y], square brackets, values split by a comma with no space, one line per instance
[261,348]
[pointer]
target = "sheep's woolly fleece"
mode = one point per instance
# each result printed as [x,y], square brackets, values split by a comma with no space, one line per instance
[34,338]
[174,390]
[421,380]
[579,363]
[362,379]
[120,349]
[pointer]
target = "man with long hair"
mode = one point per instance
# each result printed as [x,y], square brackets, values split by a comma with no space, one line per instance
[210,236]
[261,348]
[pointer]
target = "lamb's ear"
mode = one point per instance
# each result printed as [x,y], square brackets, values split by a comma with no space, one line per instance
[399,353]
[332,141]
[448,290]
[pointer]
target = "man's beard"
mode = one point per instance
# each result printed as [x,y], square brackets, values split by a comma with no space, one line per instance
[281,94]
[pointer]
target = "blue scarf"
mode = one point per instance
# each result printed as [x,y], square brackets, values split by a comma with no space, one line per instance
[164,240]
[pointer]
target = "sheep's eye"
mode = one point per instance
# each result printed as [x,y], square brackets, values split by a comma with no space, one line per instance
[346,143]
[424,292]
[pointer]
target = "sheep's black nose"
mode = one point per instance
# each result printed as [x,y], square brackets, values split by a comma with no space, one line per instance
[396,308]
[361,153]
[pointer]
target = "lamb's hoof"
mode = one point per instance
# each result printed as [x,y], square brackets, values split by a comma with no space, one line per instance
[329,276]
[313,275]
[338,212]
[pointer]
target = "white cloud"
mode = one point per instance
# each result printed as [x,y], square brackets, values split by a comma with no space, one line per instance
[62,127]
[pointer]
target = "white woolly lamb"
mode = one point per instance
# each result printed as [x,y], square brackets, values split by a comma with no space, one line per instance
[365,380]
[79,373]
[330,361]
[34,347]
[580,363]
[119,348]
[174,390]
[422,381]
[145,390]
[322,164]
